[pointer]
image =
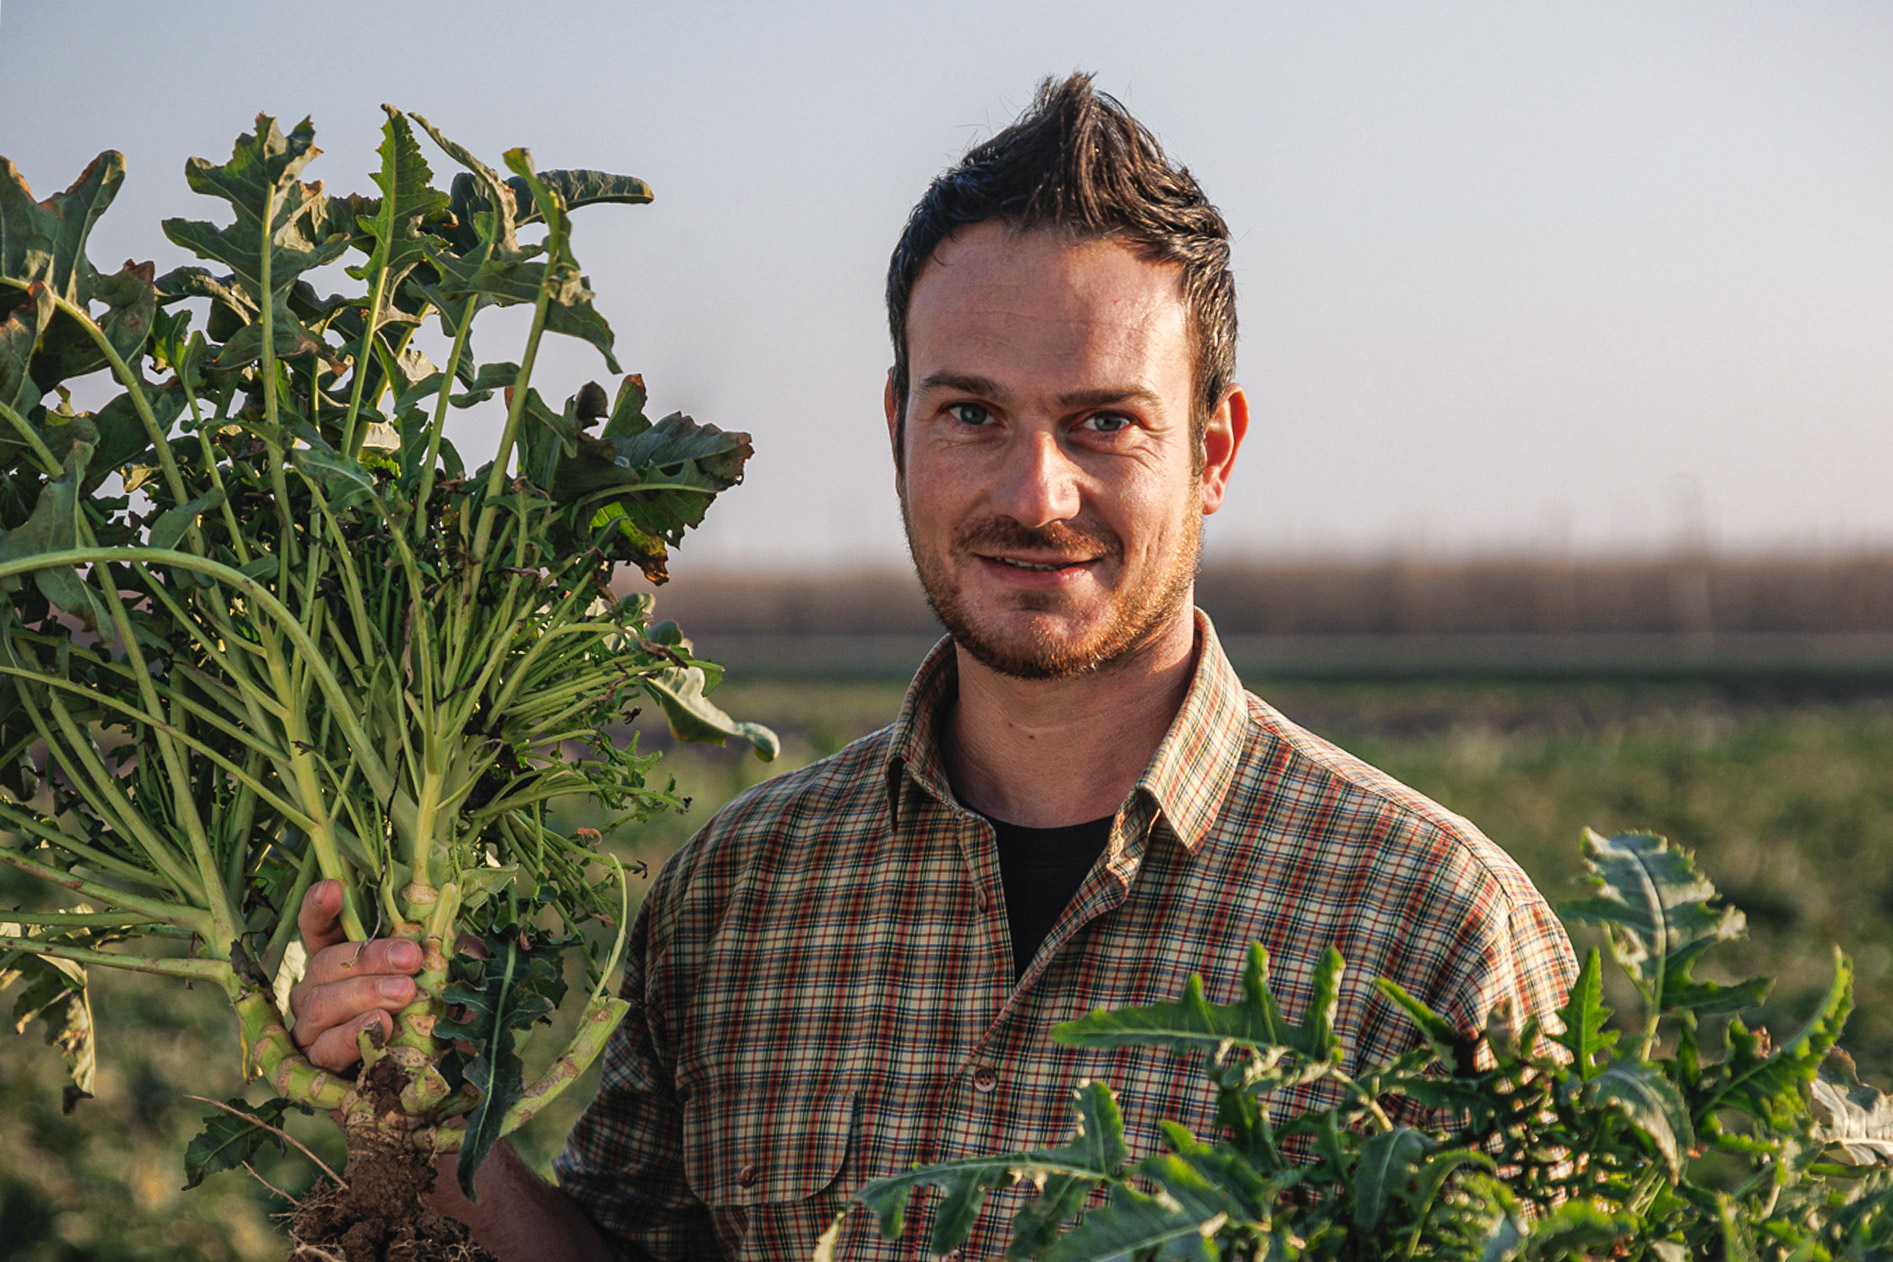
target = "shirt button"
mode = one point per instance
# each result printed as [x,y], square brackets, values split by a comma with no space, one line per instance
[748,1176]
[954,1256]
[985,901]
[985,1078]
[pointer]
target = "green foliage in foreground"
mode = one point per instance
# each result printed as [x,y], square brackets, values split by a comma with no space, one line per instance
[260,624]
[1695,1137]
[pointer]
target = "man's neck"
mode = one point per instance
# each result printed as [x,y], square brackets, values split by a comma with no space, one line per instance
[1046,753]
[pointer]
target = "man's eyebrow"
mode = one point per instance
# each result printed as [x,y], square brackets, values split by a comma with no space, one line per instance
[986,387]
[963,383]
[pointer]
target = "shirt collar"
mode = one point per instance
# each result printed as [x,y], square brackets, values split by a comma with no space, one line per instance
[1185,781]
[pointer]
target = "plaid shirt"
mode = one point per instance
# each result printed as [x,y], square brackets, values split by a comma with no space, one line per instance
[822,985]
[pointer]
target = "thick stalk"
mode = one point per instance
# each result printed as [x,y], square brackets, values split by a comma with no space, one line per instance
[269,1051]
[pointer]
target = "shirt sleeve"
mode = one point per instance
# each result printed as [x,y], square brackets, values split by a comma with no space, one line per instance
[623,1162]
[1526,967]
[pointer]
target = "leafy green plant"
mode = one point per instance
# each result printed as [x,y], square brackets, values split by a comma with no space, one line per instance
[260,625]
[1568,1140]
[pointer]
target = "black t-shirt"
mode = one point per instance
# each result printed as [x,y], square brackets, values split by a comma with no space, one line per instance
[1040,870]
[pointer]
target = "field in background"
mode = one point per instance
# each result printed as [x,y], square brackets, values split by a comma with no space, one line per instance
[1779,779]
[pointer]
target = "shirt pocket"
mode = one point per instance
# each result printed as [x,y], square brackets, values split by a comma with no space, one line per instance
[766,1144]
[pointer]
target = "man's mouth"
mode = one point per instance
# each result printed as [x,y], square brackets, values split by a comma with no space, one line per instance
[1043,566]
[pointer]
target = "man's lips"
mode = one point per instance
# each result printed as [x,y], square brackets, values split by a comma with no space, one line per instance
[1037,564]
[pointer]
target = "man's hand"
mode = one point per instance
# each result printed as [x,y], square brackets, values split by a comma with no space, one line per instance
[347,987]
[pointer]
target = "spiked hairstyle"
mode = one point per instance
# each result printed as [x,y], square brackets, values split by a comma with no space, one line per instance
[1077,162]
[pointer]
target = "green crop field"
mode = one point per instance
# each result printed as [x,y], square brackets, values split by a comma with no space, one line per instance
[1786,796]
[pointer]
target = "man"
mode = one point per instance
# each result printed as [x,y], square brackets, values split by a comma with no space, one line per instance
[855,967]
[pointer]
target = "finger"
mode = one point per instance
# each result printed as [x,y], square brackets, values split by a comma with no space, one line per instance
[337,1049]
[319,1009]
[346,960]
[320,917]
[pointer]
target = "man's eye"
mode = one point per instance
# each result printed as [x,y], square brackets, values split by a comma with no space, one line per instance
[970,414]
[1107,422]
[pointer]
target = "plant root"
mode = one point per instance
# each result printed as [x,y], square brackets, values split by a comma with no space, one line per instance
[379,1215]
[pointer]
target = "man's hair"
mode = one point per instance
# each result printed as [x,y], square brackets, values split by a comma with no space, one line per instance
[1077,162]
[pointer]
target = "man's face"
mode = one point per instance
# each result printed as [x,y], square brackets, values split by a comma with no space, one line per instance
[1052,505]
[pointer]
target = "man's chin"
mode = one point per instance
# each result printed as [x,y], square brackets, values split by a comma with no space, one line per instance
[1039,651]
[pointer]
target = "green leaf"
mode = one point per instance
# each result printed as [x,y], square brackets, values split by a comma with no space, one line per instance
[1388,1163]
[229,1140]
[277,217]
[54,527]
[679,690]
[1583,1017]
[1660,914]
[1191,1023]
[1095,1152]
[1653,1104]
[502,995]
[579,188]
[172,524]
[1451,1047]
[1179,1223]
[1769,1082]
[45,240]
[408,199]
[1851,1115]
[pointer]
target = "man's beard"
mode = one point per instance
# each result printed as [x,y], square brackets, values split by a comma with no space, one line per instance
[1135,618]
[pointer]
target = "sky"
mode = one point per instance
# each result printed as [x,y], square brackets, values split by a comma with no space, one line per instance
[1586,278]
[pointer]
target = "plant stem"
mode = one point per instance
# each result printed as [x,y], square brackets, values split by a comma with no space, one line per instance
[202,970]
[496,478]
[439,424]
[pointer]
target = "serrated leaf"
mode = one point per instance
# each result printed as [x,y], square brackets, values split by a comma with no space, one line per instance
[228,1140]
[1254,1022]
[275,213]
[1388,1162]
[1653,1104]
[1095,1152]
[504,994]
[579,188]
[1179,1223]
[1659,912]
[1584,1017]
[45,240]
[1769,1082]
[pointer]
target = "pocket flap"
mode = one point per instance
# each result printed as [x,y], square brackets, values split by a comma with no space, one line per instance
[765,1144]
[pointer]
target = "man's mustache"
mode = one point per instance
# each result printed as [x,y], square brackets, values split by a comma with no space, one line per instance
[1003,534]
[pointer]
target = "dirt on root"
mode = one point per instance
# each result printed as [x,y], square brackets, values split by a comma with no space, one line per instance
[379,1215]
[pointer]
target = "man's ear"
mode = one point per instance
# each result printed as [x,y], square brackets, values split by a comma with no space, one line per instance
[891,405]
[1222,438]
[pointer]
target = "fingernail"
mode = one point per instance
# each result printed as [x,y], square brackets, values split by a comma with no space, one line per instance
[396,987]
[404,954]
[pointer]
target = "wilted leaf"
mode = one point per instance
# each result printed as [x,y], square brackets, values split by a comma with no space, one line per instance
[694,717]
[1851,1114]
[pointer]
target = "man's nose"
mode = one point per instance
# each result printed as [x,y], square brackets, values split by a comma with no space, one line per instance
[1038,481]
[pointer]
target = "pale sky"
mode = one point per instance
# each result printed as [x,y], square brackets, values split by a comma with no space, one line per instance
[1598,276]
